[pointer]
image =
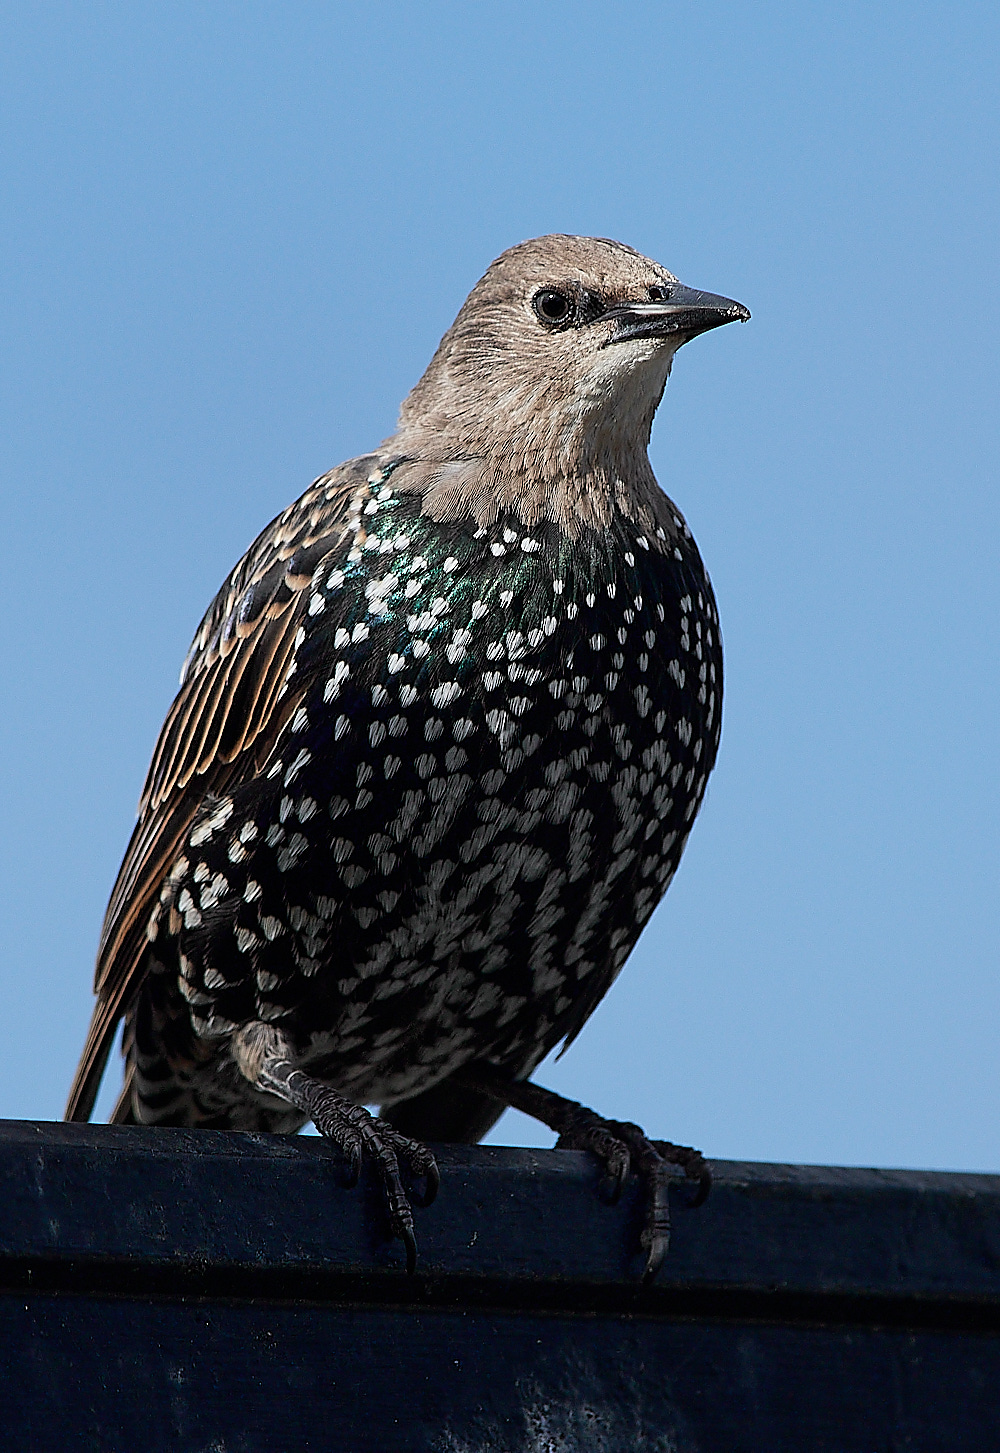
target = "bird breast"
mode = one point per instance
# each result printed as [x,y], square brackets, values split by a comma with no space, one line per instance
[502,742]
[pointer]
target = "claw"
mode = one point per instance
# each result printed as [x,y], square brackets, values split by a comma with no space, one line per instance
[410,1242]
[656,1235]
[416,1158]
[616,1174]
[659,1245]
[693,1164]
[356,1133]
[619,1145]
[609,1189]
[700,1195]
[432,1182]
[352,1167]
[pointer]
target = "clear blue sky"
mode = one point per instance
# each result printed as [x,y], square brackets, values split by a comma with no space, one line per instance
[233,235]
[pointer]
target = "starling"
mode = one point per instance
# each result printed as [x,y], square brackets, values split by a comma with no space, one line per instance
[438,745]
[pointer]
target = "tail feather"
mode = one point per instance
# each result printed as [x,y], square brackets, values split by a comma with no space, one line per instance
[90,1070]
[123,1114]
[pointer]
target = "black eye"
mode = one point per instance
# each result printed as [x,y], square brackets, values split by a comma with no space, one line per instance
[552,306]
[658,294]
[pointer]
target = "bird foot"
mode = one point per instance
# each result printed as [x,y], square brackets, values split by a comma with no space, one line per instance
[357,1134]
[619,1145]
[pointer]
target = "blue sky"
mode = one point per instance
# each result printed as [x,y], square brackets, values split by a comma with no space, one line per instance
[234,234]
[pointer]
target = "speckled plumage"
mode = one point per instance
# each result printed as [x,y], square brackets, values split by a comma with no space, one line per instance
[439,744]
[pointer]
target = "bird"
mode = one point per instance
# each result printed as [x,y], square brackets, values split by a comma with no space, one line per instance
[439,742]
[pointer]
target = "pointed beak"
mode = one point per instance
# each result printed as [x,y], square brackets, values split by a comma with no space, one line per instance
[686,312]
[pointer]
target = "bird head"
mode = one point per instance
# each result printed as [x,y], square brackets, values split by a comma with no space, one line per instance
[542,393]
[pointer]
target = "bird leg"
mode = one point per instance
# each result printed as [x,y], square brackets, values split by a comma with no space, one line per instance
[618,1144]
[351,1128]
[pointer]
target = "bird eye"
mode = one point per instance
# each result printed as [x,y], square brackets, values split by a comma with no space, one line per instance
[658,294]
[552,306]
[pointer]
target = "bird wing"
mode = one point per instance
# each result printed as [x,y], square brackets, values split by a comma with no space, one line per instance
[233,702]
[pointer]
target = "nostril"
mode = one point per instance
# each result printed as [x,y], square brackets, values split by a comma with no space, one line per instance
[659,293]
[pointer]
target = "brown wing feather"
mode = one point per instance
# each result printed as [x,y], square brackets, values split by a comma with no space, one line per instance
[223,723]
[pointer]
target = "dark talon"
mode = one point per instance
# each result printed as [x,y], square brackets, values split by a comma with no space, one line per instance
[410,1242]
[694,1166]
[617,1170]
[351,1170]
[356,1134]
[417,1159]
[700,1196]
[611,1152]
[432,1183]
[655,1238]
[618,1144]
[658,1248]
[610,1189]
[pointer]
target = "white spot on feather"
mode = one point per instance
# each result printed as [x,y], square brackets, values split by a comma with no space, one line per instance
[446,693]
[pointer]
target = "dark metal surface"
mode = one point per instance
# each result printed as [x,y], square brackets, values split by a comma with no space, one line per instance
[156,1294]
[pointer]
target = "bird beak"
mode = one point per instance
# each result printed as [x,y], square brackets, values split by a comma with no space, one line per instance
[686,311]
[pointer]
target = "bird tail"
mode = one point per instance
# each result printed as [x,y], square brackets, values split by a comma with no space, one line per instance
[123,1114]
[90,1070]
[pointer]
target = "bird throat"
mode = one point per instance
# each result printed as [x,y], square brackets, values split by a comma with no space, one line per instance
[539,450]
[575,490]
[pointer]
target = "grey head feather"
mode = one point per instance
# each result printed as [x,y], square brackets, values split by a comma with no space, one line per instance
[514,417]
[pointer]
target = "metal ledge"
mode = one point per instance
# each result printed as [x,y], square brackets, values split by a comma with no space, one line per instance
[799,1305]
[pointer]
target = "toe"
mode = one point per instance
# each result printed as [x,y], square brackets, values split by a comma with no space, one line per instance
[616,1169]
[408,1239]
[417,1159]
[693,1164]
[658,1247]
[432,1182]
[700,1195]
[352,1165]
